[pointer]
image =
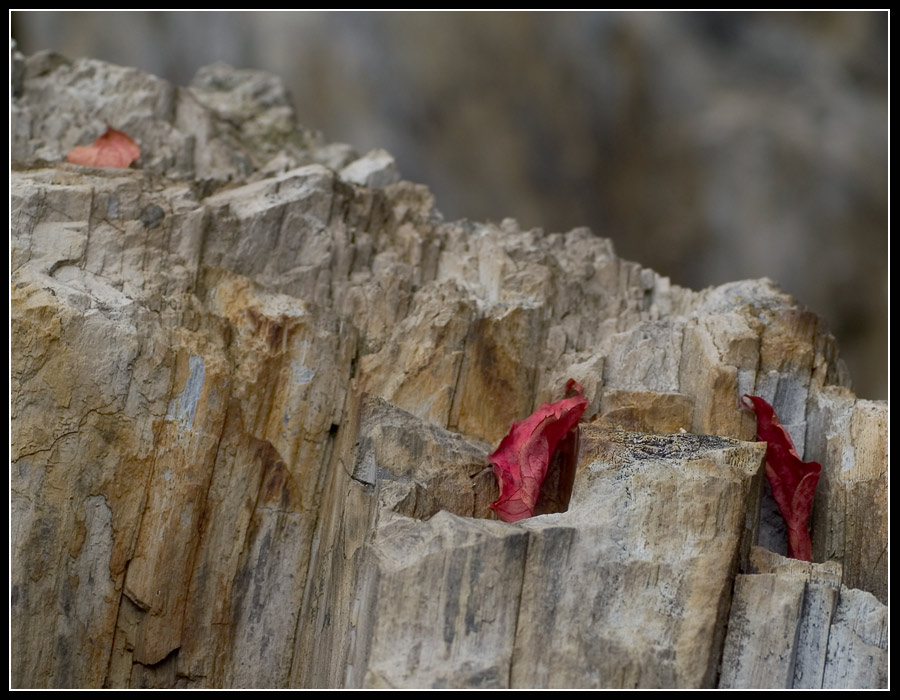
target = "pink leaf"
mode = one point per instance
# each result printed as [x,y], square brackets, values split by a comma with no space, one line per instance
[112,150]
[521,460]
[793,481]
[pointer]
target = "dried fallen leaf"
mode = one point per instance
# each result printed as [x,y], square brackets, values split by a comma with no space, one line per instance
[523,457]
[793,481]
[112,150]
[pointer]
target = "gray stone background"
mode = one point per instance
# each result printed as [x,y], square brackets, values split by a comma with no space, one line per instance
[709,146]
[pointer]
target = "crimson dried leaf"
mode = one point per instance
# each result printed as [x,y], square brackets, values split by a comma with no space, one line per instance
[523,457]
[793,481]
[112,150]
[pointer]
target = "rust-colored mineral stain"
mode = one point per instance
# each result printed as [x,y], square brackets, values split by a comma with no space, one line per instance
[273,331]
[275,335]
[255,318]
[274,472]
[274,480]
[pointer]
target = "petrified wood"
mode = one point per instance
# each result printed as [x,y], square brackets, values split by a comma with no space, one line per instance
[254,383]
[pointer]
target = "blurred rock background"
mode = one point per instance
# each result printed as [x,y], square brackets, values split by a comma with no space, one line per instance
[709,146]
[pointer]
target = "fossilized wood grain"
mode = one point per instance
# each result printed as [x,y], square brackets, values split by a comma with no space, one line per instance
[252,400]
[793,625]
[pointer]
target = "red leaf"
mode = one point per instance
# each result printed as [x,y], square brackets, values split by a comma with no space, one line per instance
[793,481]
[521,460]
[112,150]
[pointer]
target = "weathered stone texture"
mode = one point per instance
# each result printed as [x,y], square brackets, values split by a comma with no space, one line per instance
[252,400]
[793,625]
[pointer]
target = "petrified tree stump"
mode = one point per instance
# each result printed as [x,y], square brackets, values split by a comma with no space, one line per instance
[255,381]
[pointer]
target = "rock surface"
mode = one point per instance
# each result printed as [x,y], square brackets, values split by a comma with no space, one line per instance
[793,625]
[710,146]
[255,381]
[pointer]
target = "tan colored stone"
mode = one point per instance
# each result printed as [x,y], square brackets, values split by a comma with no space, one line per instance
[647,411]
[793,625]
[252,402]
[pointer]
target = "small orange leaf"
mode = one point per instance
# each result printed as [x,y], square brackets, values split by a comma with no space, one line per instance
[112,150]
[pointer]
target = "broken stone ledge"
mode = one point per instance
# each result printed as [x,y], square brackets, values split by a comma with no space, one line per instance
[254,383]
